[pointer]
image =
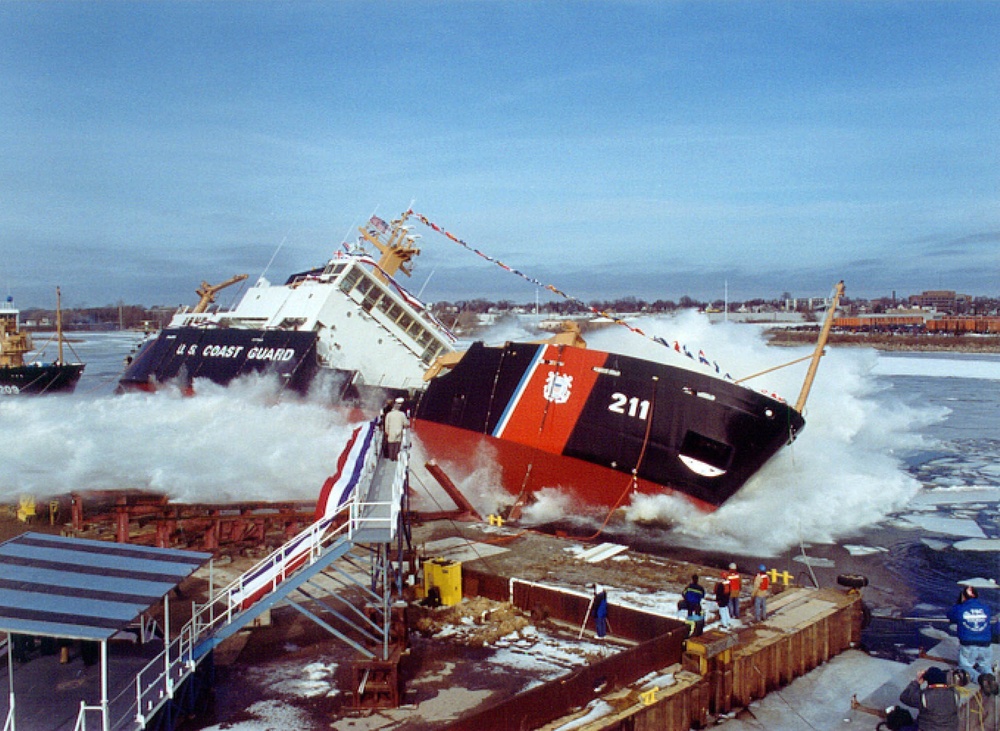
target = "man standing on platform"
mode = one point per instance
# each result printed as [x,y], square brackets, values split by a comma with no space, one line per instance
[761,590]
[735,582]
[975,656]
[722,599]
[395,423]
[693,594]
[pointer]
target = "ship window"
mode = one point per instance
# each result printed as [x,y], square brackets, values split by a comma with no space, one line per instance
[372,299]
[394,311]
[405,321]
[423,338]
[706,450]
[432,351]
[365,285]
[349,280]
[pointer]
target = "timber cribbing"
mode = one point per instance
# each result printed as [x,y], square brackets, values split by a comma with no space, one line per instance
[703,676]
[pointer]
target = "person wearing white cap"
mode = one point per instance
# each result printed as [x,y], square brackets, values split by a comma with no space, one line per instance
[735,582]
[395,423]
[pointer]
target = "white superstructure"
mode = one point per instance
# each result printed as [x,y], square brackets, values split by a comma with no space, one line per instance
[365,321]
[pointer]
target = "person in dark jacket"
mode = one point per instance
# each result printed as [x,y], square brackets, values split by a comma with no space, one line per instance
[975,656]
[936,704]
[600,611]
[722,599]
[693,594]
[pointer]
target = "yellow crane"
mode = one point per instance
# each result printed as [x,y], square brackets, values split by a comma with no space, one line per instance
[207,292]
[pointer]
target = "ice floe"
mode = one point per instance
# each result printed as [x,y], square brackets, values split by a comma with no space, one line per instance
[946,526]
[978,544]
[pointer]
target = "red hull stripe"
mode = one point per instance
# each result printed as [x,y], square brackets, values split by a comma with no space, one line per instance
[550,398]
[525,469]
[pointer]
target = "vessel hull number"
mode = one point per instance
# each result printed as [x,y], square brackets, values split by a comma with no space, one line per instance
[633,406]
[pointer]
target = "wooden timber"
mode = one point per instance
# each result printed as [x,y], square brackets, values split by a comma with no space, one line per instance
[721,672]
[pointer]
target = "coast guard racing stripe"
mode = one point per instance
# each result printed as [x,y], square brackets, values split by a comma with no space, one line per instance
[544,409]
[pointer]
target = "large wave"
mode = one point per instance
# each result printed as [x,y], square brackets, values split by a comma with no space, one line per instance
[843,472]
[247,442]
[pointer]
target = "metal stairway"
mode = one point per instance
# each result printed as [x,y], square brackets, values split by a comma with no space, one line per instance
[366,521]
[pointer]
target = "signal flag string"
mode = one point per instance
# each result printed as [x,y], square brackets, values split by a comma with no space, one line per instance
[677,346]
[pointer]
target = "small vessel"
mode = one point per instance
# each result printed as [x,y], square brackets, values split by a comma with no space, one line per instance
[552,413]
[20,378]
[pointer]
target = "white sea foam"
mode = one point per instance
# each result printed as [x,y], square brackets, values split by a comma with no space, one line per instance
[243,443]
[250,443]
[842,473]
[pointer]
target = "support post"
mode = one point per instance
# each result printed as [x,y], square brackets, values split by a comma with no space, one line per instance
[9,724]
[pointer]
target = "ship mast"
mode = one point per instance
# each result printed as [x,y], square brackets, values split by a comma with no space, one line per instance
[208,291]
[397,252]
[59,332]
[824,334]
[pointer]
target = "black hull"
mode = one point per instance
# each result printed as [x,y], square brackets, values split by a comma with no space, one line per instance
[221,355]
[675,429]
[36,380]
[577,418]
[181,355]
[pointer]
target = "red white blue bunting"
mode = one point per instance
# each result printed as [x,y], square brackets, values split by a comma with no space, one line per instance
[677,346]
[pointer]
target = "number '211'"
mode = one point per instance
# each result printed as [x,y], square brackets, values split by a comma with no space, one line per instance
[622,404]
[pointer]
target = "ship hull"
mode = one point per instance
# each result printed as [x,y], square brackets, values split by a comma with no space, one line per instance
[221,355]
[35,380]
[598,425]
[587,421]
[180,355]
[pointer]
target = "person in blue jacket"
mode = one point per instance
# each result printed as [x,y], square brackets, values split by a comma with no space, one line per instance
[600,611]
[693,594]
[975,655]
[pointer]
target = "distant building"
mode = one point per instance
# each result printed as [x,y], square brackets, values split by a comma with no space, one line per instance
[943,300]
[813,304]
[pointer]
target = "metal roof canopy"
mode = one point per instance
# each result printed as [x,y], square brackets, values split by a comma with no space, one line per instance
[83,589]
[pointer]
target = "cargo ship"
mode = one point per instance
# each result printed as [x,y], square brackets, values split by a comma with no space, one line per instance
[553,414]
[31,378]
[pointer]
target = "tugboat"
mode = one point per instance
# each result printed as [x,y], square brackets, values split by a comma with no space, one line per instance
[599,425]
[18,378]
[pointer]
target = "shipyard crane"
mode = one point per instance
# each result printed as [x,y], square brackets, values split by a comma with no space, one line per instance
[207,292]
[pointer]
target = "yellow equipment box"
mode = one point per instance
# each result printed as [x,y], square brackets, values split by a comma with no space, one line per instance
[447,577]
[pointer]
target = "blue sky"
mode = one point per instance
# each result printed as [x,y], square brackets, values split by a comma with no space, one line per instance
[655,149]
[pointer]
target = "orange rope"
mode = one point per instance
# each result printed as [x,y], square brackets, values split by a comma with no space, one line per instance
[635,471]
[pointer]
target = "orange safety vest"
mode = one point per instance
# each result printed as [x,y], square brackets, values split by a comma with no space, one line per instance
[735,582]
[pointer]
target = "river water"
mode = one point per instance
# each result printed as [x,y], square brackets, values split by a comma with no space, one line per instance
[896,476]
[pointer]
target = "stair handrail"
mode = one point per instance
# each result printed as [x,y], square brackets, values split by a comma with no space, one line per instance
[360,515]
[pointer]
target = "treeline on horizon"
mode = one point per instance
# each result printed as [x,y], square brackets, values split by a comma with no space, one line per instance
[131,317]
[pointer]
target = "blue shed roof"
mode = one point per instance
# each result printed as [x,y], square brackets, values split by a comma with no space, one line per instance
[82,589]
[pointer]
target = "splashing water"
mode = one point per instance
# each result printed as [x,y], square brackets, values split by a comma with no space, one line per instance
[843,472]
[249,442]
[224,445]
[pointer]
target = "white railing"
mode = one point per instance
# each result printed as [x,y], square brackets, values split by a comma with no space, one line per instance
[156,683]
[363,511]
